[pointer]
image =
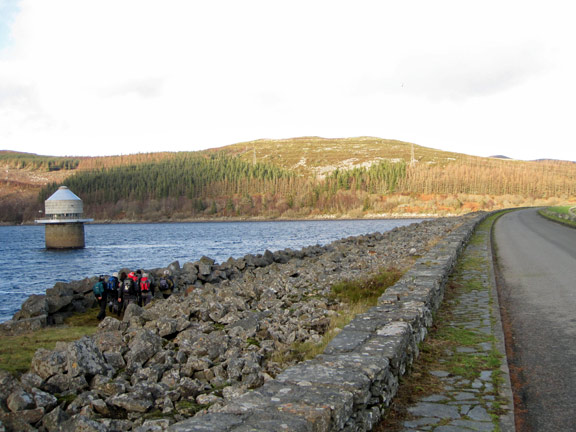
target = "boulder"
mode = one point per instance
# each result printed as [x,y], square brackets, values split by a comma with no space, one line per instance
[84,286]
[44,400]
[8,383]
[54,420]
[14,422]
[34,306]
[143,345]
[132,311]
[31,381]
[20,400]
[190,268]
[204,270]
[115,359]
[56,303]
[19,326]
[83,358]
[47,363]
[137,401]
[60,289]
[110,341]
[82,423]
[32,416]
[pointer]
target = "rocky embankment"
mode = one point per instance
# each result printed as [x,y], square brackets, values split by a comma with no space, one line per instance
[203,347]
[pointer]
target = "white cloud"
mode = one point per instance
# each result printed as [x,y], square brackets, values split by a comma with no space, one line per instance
[94,77]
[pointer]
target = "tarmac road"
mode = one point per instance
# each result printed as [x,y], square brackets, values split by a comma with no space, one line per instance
[536,268]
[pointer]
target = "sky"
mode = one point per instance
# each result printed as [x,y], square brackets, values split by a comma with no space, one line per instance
[109,77]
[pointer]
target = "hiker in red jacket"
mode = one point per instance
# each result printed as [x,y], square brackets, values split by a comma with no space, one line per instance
[146,289]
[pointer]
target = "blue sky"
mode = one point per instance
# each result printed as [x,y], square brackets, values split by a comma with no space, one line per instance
[8,11]
[98,77]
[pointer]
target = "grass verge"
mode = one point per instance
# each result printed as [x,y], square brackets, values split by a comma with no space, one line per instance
[558,214]
[16,352]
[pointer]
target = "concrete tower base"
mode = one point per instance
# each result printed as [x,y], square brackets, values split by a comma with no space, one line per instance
[64,236]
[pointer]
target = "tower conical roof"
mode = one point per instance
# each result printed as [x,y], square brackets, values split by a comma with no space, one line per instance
[63,194]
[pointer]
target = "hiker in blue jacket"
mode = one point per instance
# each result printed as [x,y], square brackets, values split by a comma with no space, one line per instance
[99,291]
[112,286]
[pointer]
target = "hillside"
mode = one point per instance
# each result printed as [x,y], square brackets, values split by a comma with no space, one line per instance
[320,156]
[290,178]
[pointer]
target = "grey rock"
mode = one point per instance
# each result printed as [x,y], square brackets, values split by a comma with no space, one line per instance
[83,358]
[190,268]
[115,359]
[20,400]
[81,423]
[208,423]
[110,324]
[32,416]
[8,383]
[18,326]
[44,400]
[34,306]
[139,402]
[480,414]
[132,311]
[157,425]
[142,347]
[108,341]
[14,422]
[31,381]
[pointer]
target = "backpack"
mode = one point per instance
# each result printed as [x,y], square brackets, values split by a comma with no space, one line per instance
[112,284]
[164,286]
[98,289]
[145,284]
[128,286]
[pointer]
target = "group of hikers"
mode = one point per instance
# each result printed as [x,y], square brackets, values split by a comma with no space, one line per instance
[119,290]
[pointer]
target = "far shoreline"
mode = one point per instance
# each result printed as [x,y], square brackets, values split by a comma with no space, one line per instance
[392,216]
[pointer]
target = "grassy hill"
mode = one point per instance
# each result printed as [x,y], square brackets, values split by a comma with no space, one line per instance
[315,155]
[288,178]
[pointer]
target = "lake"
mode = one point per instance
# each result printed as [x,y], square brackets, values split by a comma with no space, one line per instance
[27,267]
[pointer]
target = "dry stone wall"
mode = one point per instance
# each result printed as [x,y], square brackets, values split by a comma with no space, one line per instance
[203,360]
[349,386]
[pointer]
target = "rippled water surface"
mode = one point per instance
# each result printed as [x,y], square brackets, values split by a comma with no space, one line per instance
[26,267]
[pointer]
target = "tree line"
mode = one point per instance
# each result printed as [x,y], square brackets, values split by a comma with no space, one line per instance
[37,162]
[217,184]
[183,176]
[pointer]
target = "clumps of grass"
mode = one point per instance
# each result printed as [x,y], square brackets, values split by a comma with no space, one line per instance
[300,351]
[65,399]
[253,341]
[16,352]
[355,296]
[189,408]
[366,291]
[86,319]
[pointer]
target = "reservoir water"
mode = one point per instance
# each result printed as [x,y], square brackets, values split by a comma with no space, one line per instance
[26,267]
